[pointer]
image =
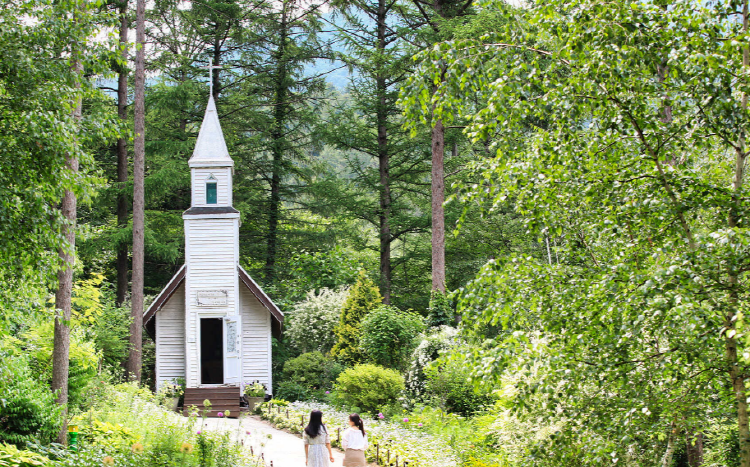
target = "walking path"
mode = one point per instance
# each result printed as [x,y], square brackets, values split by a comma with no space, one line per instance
[280,447]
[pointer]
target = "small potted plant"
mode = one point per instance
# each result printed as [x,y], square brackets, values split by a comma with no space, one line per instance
[170,393]
[254,393]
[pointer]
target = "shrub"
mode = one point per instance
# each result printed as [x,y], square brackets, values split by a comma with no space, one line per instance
[429,349]
[449,387]
[389,336]
[368,388]
[363,297]
[28,411]
[441,312]
[312,370]
[312,322]
[292,391]
[111,435]
[84,360]
[111,333]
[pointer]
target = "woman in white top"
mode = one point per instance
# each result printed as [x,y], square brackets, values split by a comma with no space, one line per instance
[317,443]
[354,441]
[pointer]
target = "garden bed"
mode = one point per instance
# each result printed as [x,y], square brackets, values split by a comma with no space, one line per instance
[390,443]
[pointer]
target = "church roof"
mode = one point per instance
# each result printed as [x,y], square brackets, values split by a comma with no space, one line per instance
[210,147]
[245,278]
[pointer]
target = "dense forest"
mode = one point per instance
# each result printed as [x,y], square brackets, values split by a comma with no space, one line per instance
[540,204]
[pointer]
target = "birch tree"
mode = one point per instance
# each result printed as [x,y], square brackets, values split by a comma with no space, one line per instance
[642,321]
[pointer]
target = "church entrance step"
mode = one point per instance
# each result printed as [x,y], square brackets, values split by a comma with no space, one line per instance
[222,398]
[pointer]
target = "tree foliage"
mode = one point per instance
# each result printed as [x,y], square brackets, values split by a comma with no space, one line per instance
[37,133]
[619,132]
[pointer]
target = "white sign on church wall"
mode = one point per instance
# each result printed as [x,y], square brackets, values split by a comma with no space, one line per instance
[212,297]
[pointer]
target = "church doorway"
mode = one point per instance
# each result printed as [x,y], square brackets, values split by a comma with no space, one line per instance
[212,351]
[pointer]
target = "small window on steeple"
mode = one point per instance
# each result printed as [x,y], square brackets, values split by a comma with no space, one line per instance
[211,190]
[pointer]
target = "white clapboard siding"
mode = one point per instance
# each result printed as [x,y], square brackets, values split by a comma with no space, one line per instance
[170,338]
[211,257]
[223,176]
[212,249]
[256,339]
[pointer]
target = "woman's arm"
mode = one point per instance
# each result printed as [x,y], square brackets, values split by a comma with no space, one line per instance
[306,449]
[330,452]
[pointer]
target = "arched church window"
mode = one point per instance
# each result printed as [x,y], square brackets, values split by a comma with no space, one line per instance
[211,197]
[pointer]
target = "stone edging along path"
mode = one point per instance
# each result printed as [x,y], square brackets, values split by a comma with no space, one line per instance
[282,448]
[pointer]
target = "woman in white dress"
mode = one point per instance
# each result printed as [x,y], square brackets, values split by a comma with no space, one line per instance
[354,441]
[317,443]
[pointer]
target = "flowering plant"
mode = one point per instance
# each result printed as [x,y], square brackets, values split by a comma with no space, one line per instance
[255,390]
[171,389]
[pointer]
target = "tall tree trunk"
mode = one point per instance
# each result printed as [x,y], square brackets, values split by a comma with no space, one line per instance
[122,158]
[694,449]
[383,164]
[737,374]
[139,167]
[63,295]
[277,149]
[438,214]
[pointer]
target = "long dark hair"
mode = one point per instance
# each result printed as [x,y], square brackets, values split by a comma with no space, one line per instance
[315,427]
[358,422]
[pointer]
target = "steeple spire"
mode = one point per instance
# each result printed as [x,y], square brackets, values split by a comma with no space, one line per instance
[210,148]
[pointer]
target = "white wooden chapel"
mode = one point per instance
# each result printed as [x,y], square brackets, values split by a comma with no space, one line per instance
[212,323]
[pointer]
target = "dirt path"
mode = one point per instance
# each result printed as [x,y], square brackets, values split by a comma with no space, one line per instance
[278,447]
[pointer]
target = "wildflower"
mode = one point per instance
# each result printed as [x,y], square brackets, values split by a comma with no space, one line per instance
[420,425]
[381,416]
[137,448]
[186,448]
[227,413]
[247,432]
[206,403]
[328,392]
[108,460]
[406,420]
[198,432]
[221,414]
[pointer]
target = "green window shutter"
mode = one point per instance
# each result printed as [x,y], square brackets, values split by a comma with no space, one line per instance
[211,193]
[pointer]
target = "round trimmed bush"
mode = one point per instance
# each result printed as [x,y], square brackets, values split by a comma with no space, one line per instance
[389,336]
[311,370]
[369,388]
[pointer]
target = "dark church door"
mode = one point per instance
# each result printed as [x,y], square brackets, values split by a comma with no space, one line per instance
[212,351]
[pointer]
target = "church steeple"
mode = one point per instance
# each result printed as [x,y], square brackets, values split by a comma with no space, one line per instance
[211,166]
[210,148]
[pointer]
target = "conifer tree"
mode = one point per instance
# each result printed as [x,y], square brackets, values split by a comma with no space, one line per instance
[139,210]
[364,297]
[370,124]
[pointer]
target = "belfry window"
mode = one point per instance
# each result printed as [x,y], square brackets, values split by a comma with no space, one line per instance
[211,197]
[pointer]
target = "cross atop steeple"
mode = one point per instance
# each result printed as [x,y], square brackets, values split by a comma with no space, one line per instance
[211,69]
